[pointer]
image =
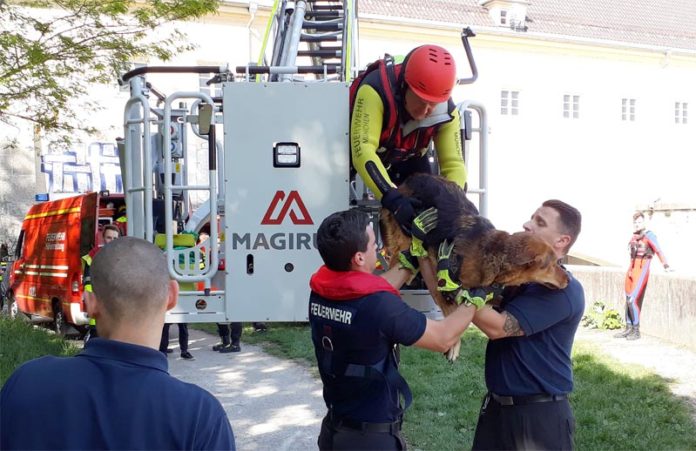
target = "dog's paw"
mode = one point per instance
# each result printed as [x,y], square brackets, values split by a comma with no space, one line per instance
[453,353]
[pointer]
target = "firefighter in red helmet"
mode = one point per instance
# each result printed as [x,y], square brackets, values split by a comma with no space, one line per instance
[397,110]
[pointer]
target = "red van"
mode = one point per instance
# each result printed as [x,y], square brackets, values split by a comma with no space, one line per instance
[47,270]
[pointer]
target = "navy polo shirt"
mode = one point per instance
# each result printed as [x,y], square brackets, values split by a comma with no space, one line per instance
[113,395]
[363,332]
[540,361]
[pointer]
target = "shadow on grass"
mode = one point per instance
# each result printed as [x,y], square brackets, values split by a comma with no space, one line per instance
[20,342]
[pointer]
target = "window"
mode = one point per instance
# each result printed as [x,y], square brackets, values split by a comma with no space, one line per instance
[628,110]
[571,106]
[680,112]
[509,102]
[503,17]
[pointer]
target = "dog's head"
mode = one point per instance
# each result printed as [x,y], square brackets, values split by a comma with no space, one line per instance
[530,259]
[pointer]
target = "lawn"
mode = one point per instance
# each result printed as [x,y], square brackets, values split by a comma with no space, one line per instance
[617,407]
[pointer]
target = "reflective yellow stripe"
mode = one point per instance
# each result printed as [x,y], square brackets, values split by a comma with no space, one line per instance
[24,296]
[53,213]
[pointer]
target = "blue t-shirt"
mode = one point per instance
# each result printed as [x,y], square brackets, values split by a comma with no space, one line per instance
[363,331]
[540,361]
[113,395]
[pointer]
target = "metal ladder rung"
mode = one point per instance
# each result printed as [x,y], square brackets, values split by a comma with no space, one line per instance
[321,53]
[324,14]
[321,26]
[323,37]
[336,7]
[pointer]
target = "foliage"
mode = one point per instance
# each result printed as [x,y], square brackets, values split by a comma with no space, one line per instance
[20,342]
[601,317]
[54,50]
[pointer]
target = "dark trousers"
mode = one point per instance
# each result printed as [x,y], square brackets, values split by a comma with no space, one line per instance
[183,337]
[233,331]
[536,426]
[341,438]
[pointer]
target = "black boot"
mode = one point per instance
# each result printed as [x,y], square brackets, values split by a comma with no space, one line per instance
[230,348]
[225,343]
[635,334]
[626,332]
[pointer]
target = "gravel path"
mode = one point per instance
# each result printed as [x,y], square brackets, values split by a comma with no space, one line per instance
[273,404]
[276,404]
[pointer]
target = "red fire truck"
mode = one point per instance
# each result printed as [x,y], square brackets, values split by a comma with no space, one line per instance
[47,270]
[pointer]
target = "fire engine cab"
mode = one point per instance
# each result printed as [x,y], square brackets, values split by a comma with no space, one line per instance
[47,270]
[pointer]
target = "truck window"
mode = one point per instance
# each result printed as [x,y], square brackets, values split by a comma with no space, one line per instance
[86,235]
[20,244]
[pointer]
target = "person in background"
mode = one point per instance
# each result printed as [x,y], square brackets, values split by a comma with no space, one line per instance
[117,392]
[183,341]
[642,247]
[528,368]
[109,233]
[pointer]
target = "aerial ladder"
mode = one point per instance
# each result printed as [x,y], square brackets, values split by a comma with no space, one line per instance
[278,161]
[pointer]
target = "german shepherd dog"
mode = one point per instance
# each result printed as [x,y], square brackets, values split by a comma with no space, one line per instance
[482,256]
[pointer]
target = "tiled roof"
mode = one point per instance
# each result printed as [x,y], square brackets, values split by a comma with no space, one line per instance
[668,23]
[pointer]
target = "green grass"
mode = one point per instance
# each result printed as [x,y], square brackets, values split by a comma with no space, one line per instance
[617,407]
[20,342]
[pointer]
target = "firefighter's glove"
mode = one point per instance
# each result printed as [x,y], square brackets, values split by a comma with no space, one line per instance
[403,208]
[476,296]
[422,224]
[445,280]
[408,261]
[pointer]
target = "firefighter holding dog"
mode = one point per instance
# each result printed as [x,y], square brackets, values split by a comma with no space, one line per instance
[397,110]
[357,320]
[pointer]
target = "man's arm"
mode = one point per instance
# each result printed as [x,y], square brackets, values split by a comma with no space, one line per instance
[442,335]
[497,324]
[365,130]
[448,145]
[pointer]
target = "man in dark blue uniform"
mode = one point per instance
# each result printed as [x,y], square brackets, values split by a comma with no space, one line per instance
[357,320]
[116,393]
[528,367]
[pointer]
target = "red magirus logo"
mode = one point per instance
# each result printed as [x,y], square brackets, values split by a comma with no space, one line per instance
[292,205]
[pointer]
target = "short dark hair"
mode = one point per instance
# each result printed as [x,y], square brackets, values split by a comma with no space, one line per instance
[340,236]
[130,278]
[570,217]
[111,227]
[638,214]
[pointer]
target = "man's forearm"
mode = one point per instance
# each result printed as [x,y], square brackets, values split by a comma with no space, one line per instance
[497,324]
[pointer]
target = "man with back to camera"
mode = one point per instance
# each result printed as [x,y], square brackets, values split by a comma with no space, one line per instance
[528,366]
[357,319]
[117,392]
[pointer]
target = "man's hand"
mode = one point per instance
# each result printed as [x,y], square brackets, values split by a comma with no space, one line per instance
[403,208]
[422,224]
[408,261]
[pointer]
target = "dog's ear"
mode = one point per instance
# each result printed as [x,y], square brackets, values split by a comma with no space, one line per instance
[522,249]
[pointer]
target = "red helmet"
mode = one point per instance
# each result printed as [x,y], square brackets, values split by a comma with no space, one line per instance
[430,72]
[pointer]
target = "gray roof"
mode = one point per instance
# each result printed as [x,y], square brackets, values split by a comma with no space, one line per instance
[665,23]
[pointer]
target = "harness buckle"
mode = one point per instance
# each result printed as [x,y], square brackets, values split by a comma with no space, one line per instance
[326,343]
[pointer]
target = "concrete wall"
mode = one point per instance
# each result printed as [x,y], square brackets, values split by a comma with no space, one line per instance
[669,307]
[17,186]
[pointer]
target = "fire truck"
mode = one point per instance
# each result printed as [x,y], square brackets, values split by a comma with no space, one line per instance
[46,283]
[278,163]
